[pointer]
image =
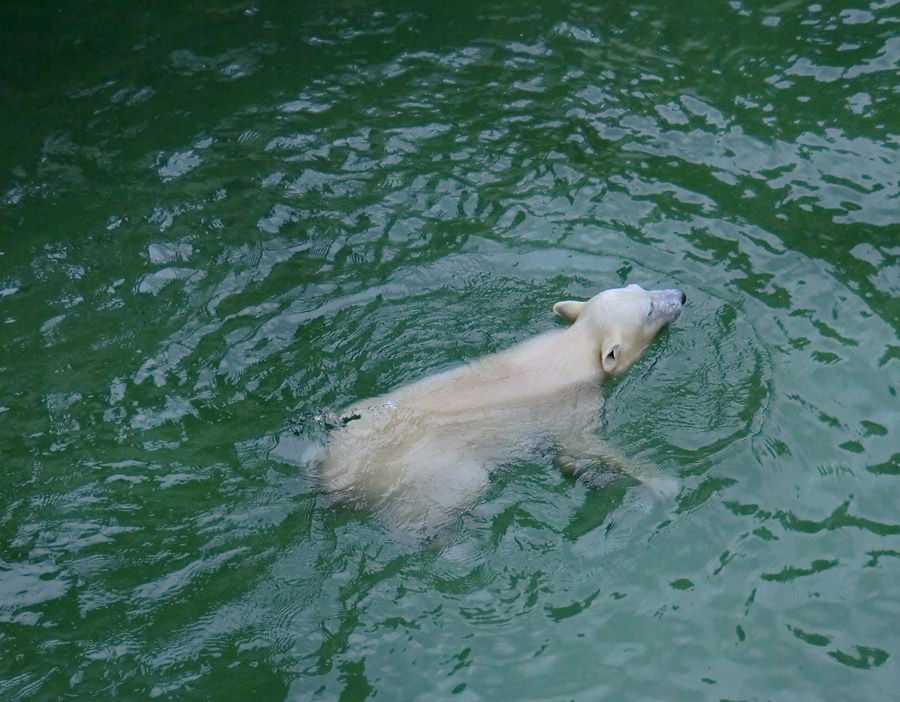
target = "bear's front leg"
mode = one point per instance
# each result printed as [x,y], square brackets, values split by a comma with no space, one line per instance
[581,461]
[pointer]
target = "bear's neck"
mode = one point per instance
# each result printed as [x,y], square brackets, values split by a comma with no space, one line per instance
[578,352]
[561,357]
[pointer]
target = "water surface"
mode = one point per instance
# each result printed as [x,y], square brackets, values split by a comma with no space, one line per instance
[219,223]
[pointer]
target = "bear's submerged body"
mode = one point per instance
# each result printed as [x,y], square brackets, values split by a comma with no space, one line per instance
[424,452]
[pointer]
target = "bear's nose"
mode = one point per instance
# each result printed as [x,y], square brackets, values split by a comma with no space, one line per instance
[683,297]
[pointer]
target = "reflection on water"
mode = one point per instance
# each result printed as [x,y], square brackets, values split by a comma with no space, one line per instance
[245,216]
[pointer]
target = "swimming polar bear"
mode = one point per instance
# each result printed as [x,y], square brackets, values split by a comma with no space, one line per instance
[424,452]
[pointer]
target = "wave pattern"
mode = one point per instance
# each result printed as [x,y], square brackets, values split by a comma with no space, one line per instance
[250,216]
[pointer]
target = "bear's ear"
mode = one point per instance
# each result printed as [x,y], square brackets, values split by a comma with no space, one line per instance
[568,309]
[609,357]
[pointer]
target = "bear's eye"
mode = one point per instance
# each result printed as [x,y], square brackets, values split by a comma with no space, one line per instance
[650,310]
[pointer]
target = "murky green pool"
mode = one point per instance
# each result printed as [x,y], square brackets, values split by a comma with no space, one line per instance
[219,222]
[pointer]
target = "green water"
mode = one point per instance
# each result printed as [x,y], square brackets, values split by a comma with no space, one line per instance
[219,221]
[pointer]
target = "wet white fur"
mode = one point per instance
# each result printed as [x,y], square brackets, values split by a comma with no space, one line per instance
[423,452]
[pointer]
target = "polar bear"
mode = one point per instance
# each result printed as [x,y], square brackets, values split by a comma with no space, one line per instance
[423,453]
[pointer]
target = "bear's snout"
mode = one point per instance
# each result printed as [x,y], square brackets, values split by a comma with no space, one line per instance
[667,304]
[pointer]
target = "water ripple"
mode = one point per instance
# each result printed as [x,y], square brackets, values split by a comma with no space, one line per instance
[248,217]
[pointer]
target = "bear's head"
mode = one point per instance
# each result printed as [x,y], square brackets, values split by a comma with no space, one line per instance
[622,322]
